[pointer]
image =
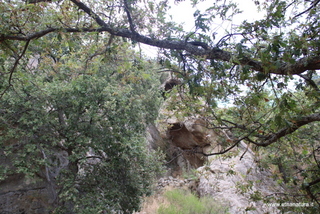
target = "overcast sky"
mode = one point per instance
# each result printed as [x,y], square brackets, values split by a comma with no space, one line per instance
[183,13]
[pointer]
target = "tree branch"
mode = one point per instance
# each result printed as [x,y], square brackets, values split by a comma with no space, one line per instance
[127,10]
[227,149]
[42,33]
[211,53]
[15,66]
[288,130]
[300,66]
[313,4]
[37,1]
[310,81]
[307,187]
[28,37]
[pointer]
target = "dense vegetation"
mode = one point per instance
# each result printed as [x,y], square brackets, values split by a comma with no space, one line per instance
[90,91]
[81,113]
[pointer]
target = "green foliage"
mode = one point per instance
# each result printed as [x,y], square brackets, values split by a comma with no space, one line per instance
[182,201]
[190,174]
[92,112]
[264,71]
[297,168]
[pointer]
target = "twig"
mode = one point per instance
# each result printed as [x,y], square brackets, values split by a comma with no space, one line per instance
[244,152]
[14,68]
[310,81]
[303,12]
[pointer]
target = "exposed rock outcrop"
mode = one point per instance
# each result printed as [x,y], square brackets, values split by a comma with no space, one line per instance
[238,180]
[188,140]
[20,194]
[234,177]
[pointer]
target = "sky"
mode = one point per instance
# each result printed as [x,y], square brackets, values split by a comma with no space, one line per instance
[182,13]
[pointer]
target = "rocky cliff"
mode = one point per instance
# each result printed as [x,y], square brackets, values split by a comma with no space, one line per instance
[20,194]
[234,178]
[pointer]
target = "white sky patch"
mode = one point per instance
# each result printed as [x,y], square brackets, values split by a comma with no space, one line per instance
[182,13]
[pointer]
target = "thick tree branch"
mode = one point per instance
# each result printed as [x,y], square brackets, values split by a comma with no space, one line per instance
[302,65]
[37,1]
[211,53]
[42,33]
[288,130]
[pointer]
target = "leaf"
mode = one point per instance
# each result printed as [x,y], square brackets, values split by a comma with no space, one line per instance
[151,6]
[261,76]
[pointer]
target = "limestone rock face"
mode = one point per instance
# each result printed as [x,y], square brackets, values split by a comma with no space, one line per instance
[18,196]
[236,180]
[189,139]
[22,195]
[189,135]
[154,138]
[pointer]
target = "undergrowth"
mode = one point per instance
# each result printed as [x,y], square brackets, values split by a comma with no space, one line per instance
[181,201]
